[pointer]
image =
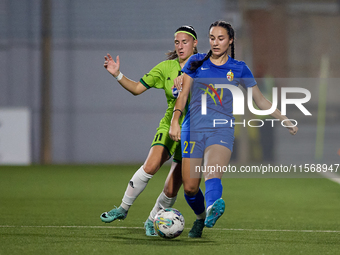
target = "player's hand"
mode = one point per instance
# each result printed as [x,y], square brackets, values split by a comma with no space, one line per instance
[178,81]
[293,130]
[175,132]
[111,66]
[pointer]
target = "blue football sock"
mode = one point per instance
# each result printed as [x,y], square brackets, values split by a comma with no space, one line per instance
[213,190]
[196,202]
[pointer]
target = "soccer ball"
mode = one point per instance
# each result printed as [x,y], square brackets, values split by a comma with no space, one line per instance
[175,92]
[169,223]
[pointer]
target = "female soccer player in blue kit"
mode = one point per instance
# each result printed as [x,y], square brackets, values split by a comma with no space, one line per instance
[162,76]
[202,141]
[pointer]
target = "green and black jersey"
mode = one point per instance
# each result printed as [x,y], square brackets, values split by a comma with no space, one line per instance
[162,77]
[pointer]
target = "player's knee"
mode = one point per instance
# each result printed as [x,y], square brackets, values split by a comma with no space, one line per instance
[190,190]
[151,168]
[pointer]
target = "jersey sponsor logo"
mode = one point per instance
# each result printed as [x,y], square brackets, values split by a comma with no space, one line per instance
[230,76]
[212,95]
[214,92]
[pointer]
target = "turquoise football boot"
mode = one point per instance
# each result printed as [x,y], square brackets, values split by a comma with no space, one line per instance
[197,229]
[214,213]
[115,214]
[149,228]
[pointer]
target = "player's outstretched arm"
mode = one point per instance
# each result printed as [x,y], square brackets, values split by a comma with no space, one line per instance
[175,129]
[112,67]
[264,104]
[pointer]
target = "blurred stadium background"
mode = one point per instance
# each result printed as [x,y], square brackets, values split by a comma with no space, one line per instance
[92,119]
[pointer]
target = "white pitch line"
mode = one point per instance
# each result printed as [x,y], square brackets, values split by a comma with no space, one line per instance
[220,229]
[280,230]
[331,176]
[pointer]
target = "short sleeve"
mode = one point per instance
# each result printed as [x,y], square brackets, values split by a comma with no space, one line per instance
[154,78]
[247,78]
[187,67]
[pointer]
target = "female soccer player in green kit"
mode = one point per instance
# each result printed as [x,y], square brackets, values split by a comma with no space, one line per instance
[162,148]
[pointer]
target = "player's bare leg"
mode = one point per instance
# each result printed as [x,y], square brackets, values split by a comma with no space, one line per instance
[156,158]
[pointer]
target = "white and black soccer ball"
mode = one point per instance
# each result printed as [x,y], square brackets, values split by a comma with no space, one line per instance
[169,223]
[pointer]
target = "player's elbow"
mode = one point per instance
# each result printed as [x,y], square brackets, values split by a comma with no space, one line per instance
[136,92]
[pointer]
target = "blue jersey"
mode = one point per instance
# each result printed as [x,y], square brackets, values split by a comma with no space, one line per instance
[219,102]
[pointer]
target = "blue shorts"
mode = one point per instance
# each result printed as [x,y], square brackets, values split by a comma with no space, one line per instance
[194,143]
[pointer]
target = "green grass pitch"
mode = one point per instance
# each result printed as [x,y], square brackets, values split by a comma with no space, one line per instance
[55,210]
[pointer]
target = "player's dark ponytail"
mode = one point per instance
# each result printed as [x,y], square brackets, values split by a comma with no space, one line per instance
[232,50]
[231,34]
